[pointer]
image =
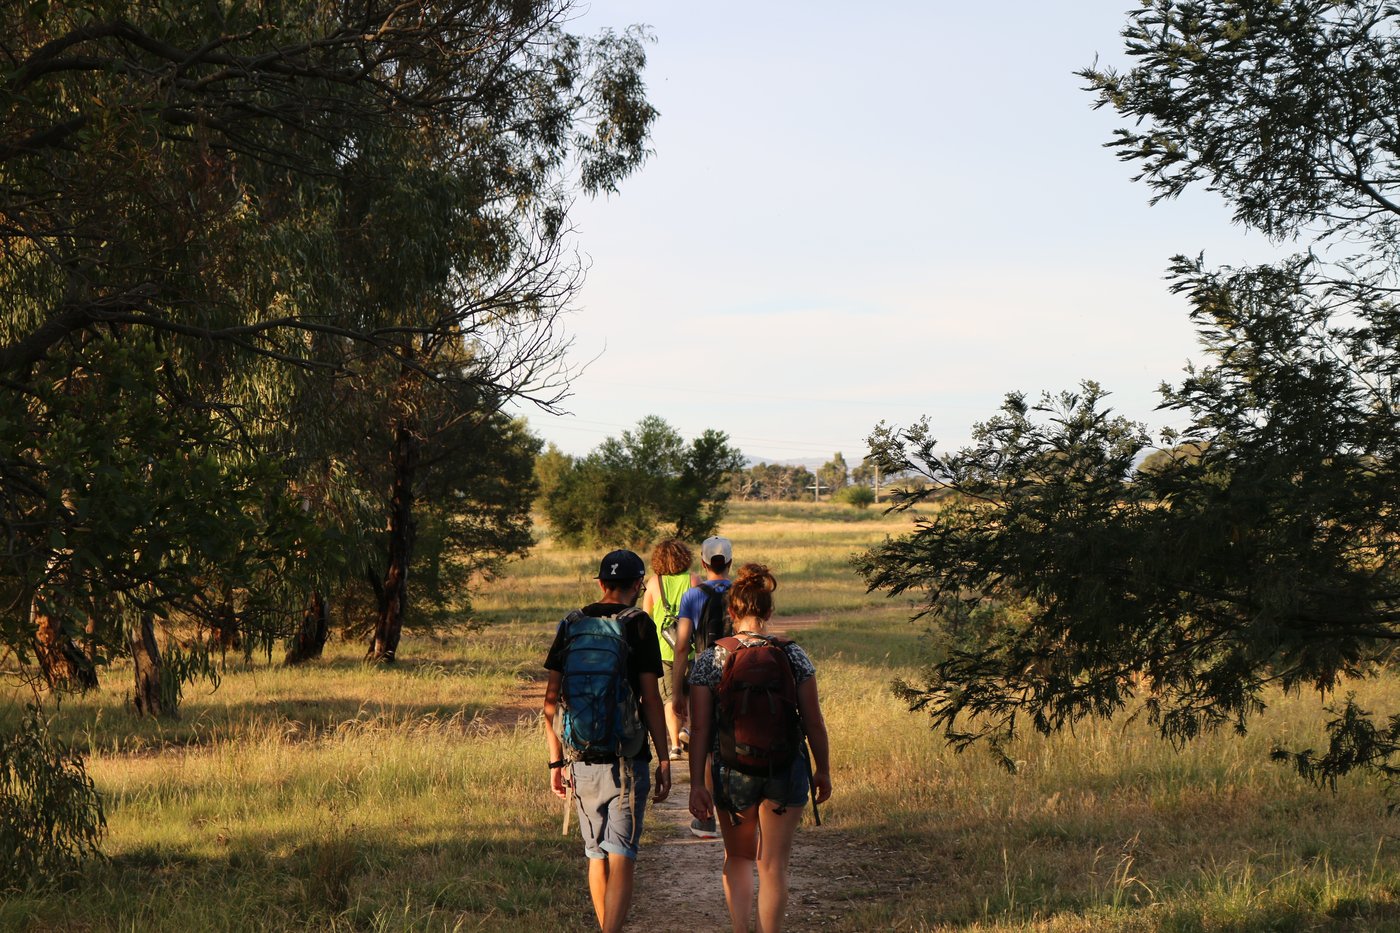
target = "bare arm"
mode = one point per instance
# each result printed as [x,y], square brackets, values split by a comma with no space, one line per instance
[684,629]
[551,735]
[702,708]
[656,727]
[814,724]
[649,598]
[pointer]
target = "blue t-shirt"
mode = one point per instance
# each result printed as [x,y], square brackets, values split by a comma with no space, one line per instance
[693,603]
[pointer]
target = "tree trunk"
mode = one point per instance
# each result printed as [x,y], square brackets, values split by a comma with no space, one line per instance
[145,655]
[62,661]
[310,639]
[225,627]
[394,598]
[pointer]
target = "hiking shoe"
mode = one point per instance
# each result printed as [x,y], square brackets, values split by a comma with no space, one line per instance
[683,737]
[705,829]
[675,753]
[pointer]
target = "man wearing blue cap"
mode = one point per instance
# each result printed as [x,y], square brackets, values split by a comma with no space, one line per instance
[609,781]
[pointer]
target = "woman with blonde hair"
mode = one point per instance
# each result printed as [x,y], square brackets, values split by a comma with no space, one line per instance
[758,807]
[670,578]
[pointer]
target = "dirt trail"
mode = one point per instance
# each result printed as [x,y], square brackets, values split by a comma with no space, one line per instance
[678,876]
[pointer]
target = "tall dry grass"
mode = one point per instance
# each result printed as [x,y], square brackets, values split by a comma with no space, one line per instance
[340,797]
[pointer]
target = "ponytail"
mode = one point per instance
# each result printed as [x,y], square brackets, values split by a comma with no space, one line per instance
[751,595]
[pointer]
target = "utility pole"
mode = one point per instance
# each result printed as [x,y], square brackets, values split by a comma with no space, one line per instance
[817,488]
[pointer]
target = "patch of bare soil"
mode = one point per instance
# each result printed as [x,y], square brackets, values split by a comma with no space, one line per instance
[526,703]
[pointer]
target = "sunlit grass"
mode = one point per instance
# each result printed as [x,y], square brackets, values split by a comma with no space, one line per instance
[345,797]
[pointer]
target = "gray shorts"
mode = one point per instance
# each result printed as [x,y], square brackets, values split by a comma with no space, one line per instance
[610,809]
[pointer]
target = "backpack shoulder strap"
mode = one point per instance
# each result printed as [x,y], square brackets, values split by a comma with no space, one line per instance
[777,641]
[730,644]
[628,614]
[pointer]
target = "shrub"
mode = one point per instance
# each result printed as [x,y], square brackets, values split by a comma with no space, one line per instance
[50,814]
[862,497]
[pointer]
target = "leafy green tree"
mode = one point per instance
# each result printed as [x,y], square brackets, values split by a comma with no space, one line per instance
[217,216]
[1269,555]
[257,198]
[646,479]
[465,508]
[550,467]
[864,473]
[834,474]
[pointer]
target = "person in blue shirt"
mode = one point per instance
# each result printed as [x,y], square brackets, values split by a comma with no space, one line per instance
[717,557]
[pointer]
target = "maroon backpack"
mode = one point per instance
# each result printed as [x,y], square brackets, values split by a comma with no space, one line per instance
[760,732]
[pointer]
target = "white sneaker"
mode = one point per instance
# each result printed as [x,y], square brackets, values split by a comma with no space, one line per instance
[704,829]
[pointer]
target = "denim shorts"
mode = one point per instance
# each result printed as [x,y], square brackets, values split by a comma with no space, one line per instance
[609,819]
[736,791]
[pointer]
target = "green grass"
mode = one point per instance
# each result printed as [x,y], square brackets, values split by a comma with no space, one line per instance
[341,797]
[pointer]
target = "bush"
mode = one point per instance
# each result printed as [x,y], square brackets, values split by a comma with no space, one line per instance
[50,814]
[862,497]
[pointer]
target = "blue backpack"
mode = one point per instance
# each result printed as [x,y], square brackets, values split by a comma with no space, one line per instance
[600,721]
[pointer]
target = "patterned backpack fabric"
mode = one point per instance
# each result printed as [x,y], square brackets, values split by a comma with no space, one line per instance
[760,732]
[600,721]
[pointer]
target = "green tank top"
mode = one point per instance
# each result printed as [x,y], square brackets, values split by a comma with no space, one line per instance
[666,610]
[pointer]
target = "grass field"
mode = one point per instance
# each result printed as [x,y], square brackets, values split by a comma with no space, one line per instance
[340,797]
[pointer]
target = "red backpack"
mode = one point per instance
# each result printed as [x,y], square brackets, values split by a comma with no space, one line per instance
[760,732]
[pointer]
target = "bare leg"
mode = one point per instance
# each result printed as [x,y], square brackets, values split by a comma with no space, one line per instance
[621,872]
[776,831]
[740,849]
[673,725]
[598,885]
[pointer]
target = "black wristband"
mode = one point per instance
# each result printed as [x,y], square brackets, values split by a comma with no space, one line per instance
[556,764]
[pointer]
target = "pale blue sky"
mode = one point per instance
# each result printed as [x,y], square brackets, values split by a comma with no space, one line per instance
[858,213]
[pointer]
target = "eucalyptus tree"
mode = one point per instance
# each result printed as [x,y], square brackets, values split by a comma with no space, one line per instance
[203,206]
[643,480]
[456,477]
[834,474]
[1263,547]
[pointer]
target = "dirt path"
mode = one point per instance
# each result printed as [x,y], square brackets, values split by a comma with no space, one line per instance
[678,875]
